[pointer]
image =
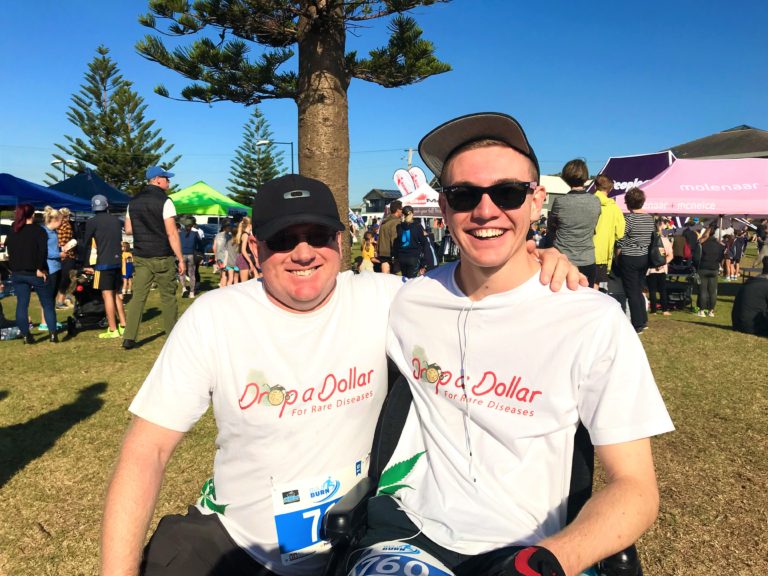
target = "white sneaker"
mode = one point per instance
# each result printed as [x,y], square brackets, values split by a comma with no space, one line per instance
[191,294]
[711,314]
[701,313]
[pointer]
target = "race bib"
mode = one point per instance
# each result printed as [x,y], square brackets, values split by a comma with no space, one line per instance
[398,559]
[300,506]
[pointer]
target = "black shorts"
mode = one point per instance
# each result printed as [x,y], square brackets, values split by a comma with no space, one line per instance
[108,279]
[196,544]
[602,273]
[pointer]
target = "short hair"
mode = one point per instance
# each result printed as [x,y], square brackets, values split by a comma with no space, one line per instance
[575,173]
[634,198]
[395,205]
[486,143]
[604,183]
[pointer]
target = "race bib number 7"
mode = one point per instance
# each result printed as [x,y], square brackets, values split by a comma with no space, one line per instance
[300,507]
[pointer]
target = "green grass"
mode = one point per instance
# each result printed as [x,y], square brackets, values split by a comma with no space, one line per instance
[63,414]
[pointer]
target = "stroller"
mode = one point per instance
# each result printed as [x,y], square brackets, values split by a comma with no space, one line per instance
[89,309]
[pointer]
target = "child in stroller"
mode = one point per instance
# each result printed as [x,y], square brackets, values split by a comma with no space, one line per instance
[89,310]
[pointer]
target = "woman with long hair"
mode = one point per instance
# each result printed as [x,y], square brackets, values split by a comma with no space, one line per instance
[51,223]
[244,258]
[66,235]
[231,268]
[657,277]
[27,246]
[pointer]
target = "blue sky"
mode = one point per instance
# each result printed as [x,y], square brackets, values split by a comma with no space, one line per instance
[587,79]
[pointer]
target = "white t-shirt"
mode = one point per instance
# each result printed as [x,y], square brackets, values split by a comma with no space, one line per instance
[489,455]
[295,397]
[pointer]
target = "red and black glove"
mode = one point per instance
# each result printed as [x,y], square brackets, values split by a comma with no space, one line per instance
[532,561]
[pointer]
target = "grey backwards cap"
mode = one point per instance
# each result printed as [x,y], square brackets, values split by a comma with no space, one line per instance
[437,146]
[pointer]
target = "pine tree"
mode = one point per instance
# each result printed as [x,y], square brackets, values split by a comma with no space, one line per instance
[221,68]
[254,164]
[118,142]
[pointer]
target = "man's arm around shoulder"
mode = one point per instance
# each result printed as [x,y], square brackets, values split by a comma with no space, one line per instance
[615,516]
[132,494]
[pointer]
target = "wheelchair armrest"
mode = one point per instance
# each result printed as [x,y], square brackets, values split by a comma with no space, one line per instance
[345,518]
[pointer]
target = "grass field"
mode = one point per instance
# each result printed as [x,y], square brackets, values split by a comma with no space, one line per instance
[63,413]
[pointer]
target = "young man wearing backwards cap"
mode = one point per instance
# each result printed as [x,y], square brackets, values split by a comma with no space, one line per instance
[295,393]
[485,454]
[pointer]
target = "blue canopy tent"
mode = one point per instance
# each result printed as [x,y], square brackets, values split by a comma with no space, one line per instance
[87,184]
[15,191]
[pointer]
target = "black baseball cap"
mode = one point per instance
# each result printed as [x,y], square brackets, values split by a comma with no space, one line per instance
[438,145]
[293,199]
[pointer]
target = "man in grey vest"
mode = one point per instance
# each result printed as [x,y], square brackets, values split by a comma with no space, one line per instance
[156,250]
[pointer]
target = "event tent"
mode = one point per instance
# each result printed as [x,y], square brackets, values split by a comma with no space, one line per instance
[202,199]
[87,184]
[633,171]
[709,187]
[15,191]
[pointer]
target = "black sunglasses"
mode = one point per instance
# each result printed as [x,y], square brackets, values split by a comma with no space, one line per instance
[507,195]
[287,241]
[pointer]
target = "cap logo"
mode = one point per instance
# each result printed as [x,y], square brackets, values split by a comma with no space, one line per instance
[296,194]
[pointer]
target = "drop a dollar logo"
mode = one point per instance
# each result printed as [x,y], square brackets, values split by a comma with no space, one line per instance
[276,395]
[433,373]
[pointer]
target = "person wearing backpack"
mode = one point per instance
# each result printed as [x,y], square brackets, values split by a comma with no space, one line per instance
[657,277]
[410,245]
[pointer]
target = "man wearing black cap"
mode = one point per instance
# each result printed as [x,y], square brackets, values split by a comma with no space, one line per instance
[105,230]
[295,391]
[479,481]
[151,218]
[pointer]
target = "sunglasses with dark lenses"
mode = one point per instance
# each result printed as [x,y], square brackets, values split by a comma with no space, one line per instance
[287,241]
[507,195]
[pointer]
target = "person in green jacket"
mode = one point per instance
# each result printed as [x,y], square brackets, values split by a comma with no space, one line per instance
[610,227]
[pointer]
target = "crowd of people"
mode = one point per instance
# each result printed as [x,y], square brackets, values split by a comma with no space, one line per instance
[614,249]
[479,480]
[609,247]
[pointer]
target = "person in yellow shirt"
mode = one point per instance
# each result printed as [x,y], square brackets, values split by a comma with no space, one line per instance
[368,252]
[610,227]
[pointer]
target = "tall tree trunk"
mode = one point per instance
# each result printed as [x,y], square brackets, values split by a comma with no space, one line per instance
[323,108]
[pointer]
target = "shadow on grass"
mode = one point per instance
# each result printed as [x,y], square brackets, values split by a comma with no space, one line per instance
[149,339]
[4,394]
[150,313]
[727,327]
[20,444]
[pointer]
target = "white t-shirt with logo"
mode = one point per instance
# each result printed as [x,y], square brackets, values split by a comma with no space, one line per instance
[296,398]
[485,460]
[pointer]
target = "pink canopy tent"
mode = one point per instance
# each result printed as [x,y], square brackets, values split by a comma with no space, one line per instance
[709,187]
